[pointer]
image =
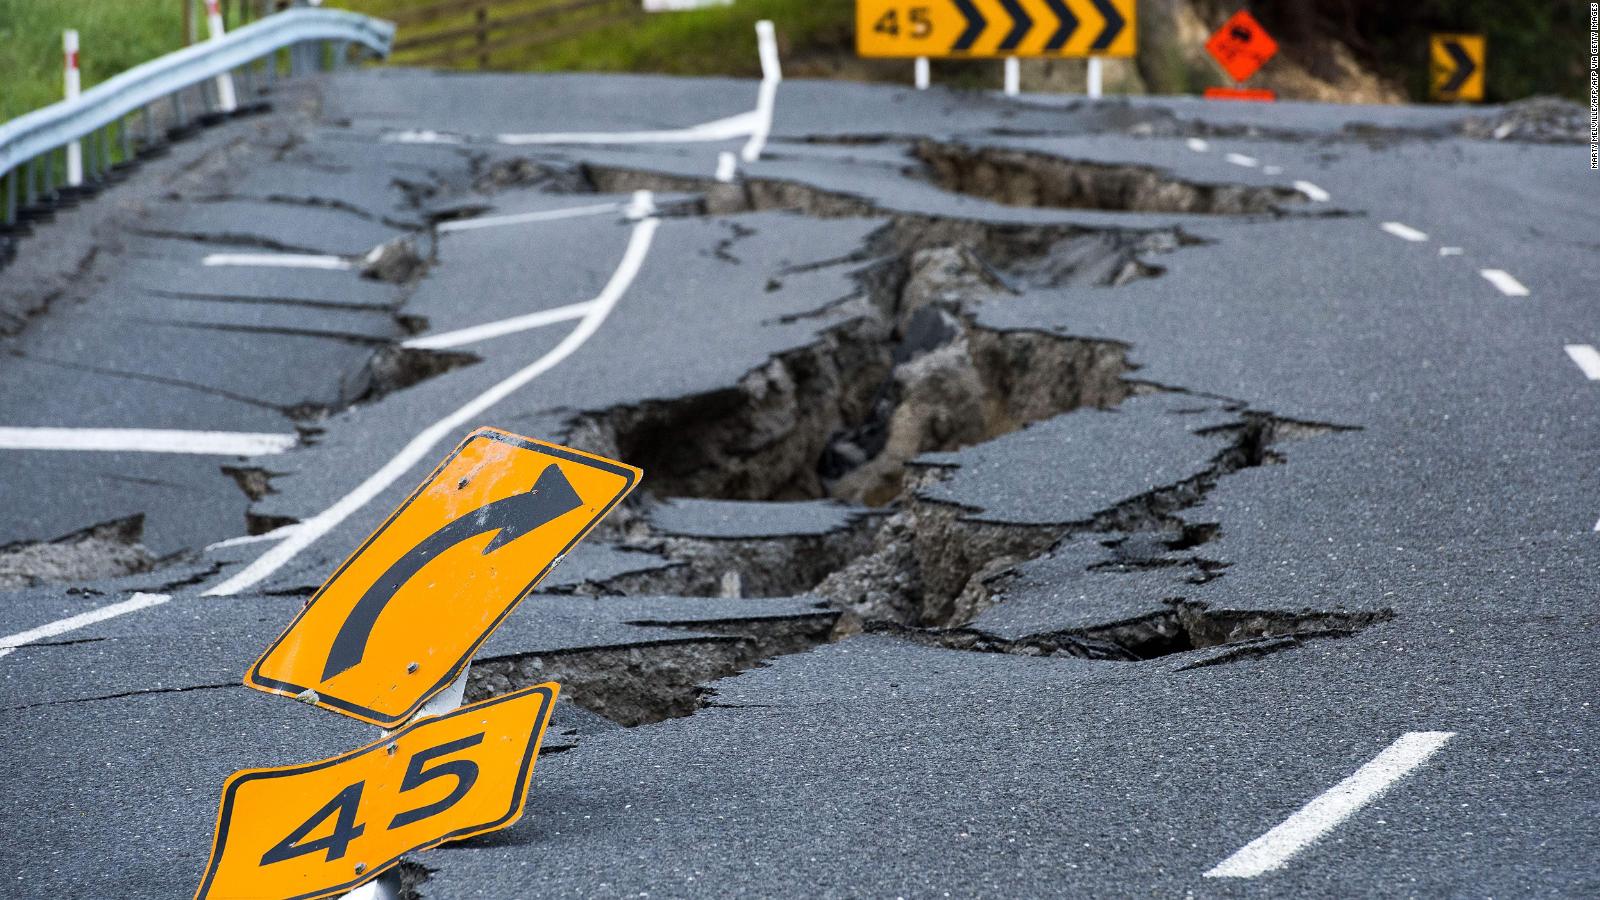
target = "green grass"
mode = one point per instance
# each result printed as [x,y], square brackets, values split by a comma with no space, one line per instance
[114,35]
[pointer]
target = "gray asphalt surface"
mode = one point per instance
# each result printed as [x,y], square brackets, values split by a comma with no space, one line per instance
[1345,491]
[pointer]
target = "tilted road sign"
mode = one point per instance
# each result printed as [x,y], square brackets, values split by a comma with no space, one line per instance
[404,614]
[1455,67]
[1241,46]
[322,828]
[995,28]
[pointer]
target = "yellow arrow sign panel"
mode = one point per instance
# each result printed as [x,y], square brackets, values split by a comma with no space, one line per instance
[994,28]
[1455,67]
[322,828]
[404,614]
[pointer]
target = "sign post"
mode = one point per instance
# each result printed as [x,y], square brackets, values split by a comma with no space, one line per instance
[1455,67]
[387,640]
[1241,46]
[226,99]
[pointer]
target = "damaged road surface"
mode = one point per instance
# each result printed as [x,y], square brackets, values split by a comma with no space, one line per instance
[1040,498]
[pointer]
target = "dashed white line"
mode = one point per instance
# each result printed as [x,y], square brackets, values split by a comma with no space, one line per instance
[727,166]
[423,444]
[280,260]
[502,327]
[1450,251]
[1317,195]
[1197,145]
[546,215]
[1587,358]
[72,623]
[1239,159]
[1404,232]
[1272,170]
[1503,280]
[1275,848]
[146,440]
[767,98]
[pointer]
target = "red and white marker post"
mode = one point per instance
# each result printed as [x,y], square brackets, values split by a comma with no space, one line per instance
[74,85]
[225,95]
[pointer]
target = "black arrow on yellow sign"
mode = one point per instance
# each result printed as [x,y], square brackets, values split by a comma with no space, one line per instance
[552,496]
[975,25]
[1464,66]
[1113,26]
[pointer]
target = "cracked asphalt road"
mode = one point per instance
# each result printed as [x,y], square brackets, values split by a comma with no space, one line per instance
[1008,529]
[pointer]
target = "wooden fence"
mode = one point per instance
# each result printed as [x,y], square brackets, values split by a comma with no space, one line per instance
[460,33]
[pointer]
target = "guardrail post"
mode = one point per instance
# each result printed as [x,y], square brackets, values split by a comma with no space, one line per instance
[11,197]
[31,189]
[482,20]
[180,121]
[74,84]
[105,153]
[149,127]
[127,142]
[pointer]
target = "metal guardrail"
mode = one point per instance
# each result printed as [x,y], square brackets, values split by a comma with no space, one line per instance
[28,142]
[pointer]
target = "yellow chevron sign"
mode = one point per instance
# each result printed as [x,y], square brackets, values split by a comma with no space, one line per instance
[994,28]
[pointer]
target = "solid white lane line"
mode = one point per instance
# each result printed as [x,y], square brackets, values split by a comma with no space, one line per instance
[1317,195]
[447,428]
[1197,145]
[1404,231]
[1275,848]
[767,98]
[276,534]
[1587,358]
[641,206]
[72,623]
[279,260]
[496,329]
[1239,159]
[1503,280]
[547,215]
[726,129]
[146,440]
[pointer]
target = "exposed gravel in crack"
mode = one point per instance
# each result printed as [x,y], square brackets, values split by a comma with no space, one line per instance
[107,550]
[648,682]
[1023,178]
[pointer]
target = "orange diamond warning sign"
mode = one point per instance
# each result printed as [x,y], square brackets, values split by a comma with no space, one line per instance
[1241,46]
[404,614]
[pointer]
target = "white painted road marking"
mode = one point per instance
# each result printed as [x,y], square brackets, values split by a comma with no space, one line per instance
[727,166]
[1275,848]
[1317,194]
[72,623]
[547,215]
[276,534]
[730,128]
[146,440]
[280,260]
[1587,358]
[1272,170]
[1449,251]
[1239,159]
[1404,231]
[1197,145]
[504,326]
[447,428]
[767,97]
[1503,280]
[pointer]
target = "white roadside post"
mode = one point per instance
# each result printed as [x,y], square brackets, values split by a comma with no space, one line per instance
[225,95]
[1013,76]
[1094,78]
[922,74]
[74,85]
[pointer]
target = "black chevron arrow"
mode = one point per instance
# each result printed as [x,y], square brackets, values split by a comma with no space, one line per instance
[1020,23]
[552,497]
[1114,23]
[1069,24]
[975,25]
[1464,67]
